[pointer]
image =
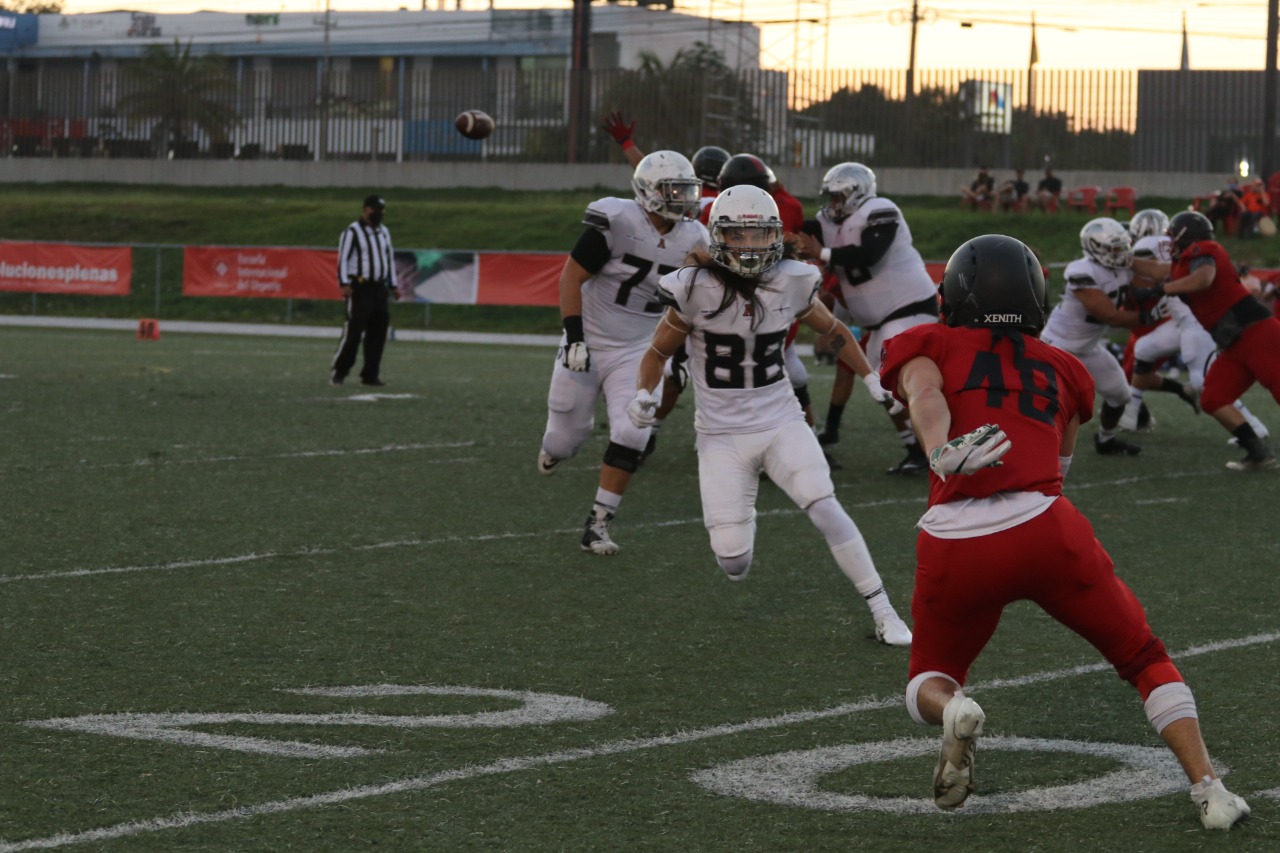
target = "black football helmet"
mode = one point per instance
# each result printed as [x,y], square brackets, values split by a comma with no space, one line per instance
[744,169]
[994,281]
[707,163]
[1187,227]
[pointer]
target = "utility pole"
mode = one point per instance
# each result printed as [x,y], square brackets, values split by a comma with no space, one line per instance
[326,80]
[911,60]
[1267,154]
[579,80]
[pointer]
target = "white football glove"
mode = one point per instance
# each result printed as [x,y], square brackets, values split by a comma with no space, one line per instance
[880,395]
[576,357]
[642,409]
[971,452]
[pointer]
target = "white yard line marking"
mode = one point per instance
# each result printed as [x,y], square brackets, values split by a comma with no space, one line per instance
[446,540]
[511,765]
[298,454]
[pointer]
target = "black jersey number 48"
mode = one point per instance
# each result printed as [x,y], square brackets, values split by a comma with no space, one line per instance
[642,267]
[1038,396]
[726,354]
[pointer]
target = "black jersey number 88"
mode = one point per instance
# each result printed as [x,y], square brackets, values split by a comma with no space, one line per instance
[726,354]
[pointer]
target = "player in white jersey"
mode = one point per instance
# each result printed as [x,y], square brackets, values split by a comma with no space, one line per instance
[735,310]
[609,305]
[1097,288]
[1182,335]
[884,285]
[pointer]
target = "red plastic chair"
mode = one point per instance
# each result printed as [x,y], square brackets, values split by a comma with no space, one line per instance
[1121,198]
[1084,198]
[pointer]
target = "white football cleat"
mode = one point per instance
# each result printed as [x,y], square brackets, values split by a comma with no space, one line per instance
[962,721]
[547,463]
[1218,807]
[892,631]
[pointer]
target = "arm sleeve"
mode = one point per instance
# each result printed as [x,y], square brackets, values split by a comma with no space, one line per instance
[592,250]
[877,237]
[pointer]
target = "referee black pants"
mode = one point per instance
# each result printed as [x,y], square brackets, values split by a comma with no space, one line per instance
[368,318]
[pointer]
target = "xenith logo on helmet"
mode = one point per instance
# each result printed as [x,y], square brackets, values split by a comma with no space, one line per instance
[1002,318]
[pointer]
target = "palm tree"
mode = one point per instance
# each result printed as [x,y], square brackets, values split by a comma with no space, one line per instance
[183,92]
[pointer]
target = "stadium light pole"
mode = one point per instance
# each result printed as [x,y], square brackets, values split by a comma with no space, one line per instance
[579,89]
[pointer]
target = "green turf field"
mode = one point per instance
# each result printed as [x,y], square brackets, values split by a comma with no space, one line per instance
[238,605]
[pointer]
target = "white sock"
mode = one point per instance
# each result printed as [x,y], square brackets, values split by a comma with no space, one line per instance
[606,502]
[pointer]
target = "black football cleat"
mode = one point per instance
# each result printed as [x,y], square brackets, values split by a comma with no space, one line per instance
[914,462]
[1116,447]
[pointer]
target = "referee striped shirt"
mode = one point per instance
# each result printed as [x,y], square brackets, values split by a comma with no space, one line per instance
[364,253]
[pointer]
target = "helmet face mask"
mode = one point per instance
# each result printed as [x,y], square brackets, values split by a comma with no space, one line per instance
[994,281]
[746,231]
[1186,228]
[1148,223]
[665,184]
[1107,242]
[845,188]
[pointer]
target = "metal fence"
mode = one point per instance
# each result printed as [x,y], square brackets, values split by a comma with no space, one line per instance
[393,109]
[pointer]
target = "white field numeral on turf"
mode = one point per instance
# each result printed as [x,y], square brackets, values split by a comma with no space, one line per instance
[535,709]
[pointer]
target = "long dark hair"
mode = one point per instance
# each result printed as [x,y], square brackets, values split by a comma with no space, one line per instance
[737,285]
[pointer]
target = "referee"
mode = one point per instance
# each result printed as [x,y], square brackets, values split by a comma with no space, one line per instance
[366,276]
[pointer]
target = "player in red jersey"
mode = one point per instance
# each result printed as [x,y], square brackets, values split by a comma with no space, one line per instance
[1247,334]
[998,528]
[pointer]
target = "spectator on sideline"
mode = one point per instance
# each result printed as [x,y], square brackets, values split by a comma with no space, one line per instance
[1048,191]
[1015,194]
[999,529]
[366,277]
[979,194]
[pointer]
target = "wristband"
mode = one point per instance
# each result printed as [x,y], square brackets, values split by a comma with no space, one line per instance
[627,144]
[573,329]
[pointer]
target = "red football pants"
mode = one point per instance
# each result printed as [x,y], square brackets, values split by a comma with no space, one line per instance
[963,585]
[1253,358]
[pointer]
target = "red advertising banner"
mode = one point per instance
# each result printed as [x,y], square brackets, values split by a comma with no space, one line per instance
[514,279]
[64,268]
[260,271]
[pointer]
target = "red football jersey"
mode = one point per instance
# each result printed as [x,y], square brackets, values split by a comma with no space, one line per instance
[1211,305]
[1032,396]
[790,210]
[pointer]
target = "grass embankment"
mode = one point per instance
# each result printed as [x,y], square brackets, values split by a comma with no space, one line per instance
[444,219]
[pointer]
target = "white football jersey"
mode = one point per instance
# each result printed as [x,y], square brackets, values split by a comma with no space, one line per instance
[1070,326]
[897,280]
[737,369]
[620,302]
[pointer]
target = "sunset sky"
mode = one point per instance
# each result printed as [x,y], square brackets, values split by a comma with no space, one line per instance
[868,34]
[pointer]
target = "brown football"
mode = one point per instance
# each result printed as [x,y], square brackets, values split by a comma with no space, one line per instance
[474,124]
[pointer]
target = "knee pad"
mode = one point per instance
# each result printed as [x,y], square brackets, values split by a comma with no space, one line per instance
[733,541]
[622,457]
[735,568]
[913,693]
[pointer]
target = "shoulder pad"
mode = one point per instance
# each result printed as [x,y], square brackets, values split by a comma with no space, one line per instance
[595,219]
[882,216]
[1081,280]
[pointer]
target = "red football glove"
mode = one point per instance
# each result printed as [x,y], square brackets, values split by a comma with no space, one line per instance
[616,125]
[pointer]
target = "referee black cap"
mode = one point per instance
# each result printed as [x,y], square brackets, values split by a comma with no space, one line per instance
[374,200]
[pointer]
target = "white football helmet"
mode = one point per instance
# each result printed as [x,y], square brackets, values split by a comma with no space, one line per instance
[666,184]
[746,231]
[1107,242]
[1148,223]
[845,188]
